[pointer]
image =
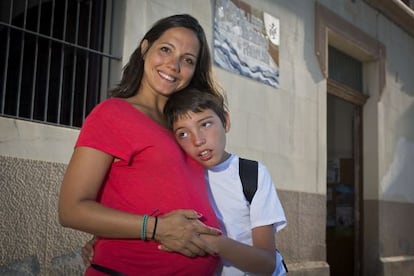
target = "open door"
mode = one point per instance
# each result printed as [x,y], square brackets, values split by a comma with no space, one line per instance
[344,187]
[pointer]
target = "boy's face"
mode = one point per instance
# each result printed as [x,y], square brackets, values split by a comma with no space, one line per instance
[202,136]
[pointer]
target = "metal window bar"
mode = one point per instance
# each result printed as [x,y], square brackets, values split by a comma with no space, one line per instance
[88,41]
[34,79]
[75,58]
[345,69]
[19,89]
[62,63]
[49,58]
[9,27]
[6,63]
[108,45]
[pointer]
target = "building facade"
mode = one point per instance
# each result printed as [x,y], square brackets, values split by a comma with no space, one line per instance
[336,132]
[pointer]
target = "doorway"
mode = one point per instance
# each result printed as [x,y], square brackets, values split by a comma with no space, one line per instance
[353,64]
[343,187]
[345,101]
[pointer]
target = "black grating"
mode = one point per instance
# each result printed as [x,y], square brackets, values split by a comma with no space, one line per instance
[345,69]
[51,55]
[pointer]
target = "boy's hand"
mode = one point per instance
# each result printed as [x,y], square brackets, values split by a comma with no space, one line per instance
[87,252]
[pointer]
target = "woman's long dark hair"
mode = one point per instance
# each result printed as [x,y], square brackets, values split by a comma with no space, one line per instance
[134,69]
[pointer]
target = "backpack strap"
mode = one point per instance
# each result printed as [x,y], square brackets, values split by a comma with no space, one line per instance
[248,171]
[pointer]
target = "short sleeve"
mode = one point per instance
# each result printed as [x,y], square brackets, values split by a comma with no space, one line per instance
[266,208]
[103,130]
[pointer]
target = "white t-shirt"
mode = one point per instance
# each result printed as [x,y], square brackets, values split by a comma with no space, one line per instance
[236,215]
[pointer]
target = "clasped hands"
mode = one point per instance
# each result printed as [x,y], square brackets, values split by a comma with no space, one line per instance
[178,231]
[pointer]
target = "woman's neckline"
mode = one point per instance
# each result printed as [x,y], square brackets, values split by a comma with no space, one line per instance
[146,111]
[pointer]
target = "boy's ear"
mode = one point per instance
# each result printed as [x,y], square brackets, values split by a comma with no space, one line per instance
[227,123]
[144,48]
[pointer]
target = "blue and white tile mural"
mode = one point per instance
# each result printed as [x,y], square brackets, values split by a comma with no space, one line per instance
[246,41]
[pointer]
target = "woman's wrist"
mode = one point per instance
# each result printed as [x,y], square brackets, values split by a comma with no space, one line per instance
[149,227]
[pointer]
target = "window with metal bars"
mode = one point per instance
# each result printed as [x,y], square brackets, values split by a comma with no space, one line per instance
[345,69]
[52,57]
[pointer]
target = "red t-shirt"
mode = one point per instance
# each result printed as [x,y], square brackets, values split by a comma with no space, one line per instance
[153,174]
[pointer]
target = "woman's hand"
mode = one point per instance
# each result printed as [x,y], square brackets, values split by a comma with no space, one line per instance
[87,252]
[179,231]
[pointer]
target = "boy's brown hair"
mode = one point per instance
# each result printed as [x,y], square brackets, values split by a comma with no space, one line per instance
[193,100]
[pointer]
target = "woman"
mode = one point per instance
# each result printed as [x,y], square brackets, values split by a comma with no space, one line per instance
[126,167]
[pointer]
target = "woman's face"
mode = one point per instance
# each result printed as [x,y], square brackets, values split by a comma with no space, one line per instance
[170,61]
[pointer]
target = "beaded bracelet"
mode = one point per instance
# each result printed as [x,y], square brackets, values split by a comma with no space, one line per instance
[155,228]
[144,228]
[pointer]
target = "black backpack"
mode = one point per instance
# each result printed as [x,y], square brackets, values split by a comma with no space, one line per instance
[248,171]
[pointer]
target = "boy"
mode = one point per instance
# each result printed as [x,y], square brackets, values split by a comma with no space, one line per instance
[199,122]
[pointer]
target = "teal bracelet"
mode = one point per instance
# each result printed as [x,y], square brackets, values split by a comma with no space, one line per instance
[144,228]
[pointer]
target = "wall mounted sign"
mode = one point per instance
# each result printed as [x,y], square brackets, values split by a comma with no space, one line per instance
[246,41]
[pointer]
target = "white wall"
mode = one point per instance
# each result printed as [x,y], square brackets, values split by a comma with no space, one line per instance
[28,140]
[396,109]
